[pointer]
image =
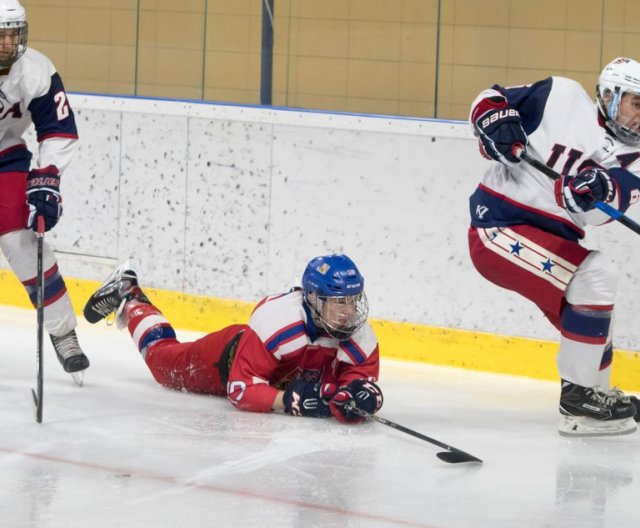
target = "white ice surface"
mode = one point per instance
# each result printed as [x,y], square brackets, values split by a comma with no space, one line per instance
[123,451]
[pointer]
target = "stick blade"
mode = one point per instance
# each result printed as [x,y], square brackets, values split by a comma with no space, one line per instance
[455,456]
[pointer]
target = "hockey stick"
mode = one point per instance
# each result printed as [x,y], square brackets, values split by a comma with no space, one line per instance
[38,398]
[453,455]
[612,212]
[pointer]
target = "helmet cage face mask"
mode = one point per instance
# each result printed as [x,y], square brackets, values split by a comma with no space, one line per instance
[14,38]
[619,78]
[339,316]
[13,32]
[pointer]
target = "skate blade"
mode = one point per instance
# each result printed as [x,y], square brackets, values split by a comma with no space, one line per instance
[78,377]
[583,426]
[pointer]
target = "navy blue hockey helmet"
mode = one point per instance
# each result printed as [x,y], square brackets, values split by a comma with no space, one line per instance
[334,290]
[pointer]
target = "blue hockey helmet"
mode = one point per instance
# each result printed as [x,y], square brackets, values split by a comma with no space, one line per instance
[334,290]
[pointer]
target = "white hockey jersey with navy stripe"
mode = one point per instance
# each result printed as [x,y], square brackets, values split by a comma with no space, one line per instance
[32,92]
[566,133]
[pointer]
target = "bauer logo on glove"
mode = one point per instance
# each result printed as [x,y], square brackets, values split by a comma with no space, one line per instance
[499,128]
[500,114]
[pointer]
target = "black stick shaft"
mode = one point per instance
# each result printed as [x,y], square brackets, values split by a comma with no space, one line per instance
[455,455]
[411,432]
[39,401]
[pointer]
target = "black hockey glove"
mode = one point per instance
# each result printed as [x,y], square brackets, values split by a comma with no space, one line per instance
[304,398]
[579,193]
[499,128]
[43,197]
[365,395]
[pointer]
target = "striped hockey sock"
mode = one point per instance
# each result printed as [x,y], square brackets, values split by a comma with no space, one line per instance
[147,326]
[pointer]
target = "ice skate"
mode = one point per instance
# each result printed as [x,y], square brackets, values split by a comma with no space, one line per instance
[595,412]
[70,355]
[626,398]
[119,288]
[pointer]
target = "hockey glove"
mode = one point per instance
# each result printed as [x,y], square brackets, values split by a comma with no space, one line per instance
[43,197]
[499,129]
[579,193]
[365,395]
[303,398]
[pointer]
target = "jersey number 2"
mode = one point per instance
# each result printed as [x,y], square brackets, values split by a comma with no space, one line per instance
[62,105]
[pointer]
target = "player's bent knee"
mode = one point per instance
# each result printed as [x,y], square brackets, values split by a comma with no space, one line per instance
[595,282]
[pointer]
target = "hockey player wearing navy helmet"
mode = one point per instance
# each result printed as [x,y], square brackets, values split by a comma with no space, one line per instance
[526,228]
[307,352]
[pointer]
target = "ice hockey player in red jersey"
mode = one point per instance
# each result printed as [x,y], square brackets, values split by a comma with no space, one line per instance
[307,352]
[31,92]
[526,228]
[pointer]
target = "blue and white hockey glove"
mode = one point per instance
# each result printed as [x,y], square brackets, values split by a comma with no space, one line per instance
[43,197]
[304,398]
[365,395]
[499,129]
[579,193]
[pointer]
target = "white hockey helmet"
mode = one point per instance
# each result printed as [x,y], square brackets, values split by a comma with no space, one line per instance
[621,76]
[13,19]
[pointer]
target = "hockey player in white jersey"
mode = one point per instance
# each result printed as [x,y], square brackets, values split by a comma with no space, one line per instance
[31,91]
[525,228]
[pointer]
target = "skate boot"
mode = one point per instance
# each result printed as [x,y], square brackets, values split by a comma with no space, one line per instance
[119,288]
[593,411]
[626,398]
[70,355]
